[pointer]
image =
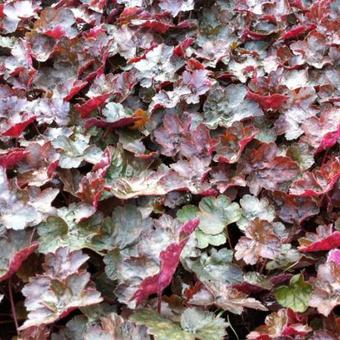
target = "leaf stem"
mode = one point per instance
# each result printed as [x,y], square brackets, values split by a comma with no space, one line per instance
[32,236]
[263,266]
[232,328]
[14,314]
[159,302]
[228,239]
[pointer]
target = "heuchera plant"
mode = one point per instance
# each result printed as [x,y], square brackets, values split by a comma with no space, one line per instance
[169,169]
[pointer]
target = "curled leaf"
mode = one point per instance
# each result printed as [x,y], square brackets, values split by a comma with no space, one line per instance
[282,323]
[15,248]
[325,238]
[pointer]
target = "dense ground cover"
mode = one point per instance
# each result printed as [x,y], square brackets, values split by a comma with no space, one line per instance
[169,169]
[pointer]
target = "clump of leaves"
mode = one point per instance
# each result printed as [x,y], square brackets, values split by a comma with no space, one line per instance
[62,288]
[194,324]
[177,159]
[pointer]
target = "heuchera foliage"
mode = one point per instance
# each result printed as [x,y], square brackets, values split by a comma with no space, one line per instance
[169,169]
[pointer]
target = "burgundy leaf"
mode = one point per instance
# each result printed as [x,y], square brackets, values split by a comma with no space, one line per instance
[93,184]
[284,323]
[17,128]
[270,102]
[40,164]
[297,31]
[318,181]
[169,259]
[178,136]
[12,156]
[180,49]
[111,125]
[75,87]
[253,35]
[16,247]
[294,209]
[198,83]
[57,23]
[224,177]
[90,105]
[325,238]
[266,170]
[324,131]
[121,120]
[233,141]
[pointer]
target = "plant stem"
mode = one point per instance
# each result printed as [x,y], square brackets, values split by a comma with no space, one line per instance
[228,239]
[232,328]
[14,315]
[263,266]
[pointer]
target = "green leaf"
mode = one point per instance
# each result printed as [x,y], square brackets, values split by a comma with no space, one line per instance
[7,42]
[302,154]
[124,165]
[226,105]
[76,149]
[296,295]
[189,212]
[186,213]
[160,327]
[112,261]
[97,311]
[128,224]
[257,279]
[253,207]
[205,325]
[194,324]
[216,213]
[216,266]
[74,329]
[114,327]
[287,257]
[69,228]
[74,227]
[204,240]
[115,111]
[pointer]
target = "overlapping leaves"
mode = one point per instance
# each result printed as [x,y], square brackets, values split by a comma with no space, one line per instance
[182,149]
